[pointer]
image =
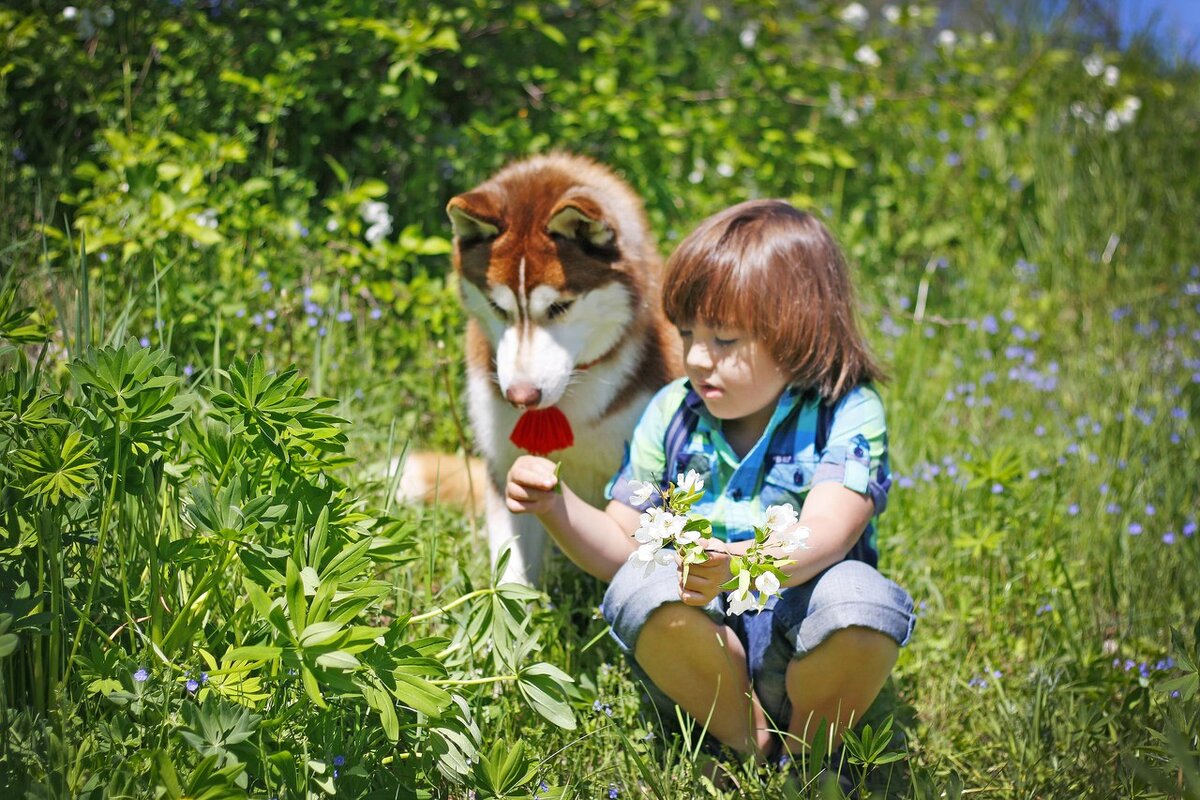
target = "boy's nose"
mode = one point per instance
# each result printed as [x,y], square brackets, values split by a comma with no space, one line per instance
[698,357]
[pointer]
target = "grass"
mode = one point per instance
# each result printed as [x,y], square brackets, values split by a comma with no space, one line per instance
[1043,411]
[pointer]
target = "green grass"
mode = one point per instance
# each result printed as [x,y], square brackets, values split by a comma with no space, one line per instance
[1032,280]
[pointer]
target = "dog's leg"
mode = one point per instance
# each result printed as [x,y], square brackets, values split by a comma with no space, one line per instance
[521,534]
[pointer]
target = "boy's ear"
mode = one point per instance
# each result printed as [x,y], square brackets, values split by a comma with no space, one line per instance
[580,218]
[474,216]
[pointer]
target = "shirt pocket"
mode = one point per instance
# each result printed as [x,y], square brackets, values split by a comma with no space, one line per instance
[786,483]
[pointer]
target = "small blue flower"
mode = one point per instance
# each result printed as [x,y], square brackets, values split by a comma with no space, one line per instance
[1189,529]
[141,675]
[339,761]
[144,341]
[192,685]
[376,313]
[203,677]
[1135,529]
[1045,608]
[1168,537]
[613,792]
[1073,509]
[344,316]
[188,370]
[997,488]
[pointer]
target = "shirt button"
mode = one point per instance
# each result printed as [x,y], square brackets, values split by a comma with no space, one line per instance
[798,477]
[736,494]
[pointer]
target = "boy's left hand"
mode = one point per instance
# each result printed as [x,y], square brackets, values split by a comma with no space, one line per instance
[704,579]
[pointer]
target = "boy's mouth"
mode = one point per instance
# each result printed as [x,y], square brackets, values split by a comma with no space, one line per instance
[708,390]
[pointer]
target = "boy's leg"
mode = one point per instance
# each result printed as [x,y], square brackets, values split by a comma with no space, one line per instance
[837,638]
[823,692]
[701,665]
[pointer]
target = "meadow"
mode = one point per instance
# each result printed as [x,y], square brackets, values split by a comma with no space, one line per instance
[226,304]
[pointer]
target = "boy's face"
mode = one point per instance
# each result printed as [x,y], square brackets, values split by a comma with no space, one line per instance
[733,373]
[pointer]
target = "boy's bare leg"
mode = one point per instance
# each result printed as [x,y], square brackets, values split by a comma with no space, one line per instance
[702,666]
[837,682]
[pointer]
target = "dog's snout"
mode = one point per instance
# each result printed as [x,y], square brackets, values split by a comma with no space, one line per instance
[523,395]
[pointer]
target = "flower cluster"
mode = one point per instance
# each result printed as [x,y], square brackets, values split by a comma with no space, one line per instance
[671,529]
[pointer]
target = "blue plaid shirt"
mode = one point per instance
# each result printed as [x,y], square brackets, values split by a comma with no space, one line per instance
[737,491]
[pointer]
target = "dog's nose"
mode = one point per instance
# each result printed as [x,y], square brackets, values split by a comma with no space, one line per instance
[523,395]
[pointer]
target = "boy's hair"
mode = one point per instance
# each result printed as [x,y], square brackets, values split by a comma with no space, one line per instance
[777,273]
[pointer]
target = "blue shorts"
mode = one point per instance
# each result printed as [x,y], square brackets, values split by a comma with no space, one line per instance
[850,593]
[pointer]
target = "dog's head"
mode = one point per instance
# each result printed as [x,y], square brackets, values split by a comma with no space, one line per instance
[557,267]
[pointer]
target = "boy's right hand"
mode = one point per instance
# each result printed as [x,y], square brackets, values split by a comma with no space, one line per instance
[530,486]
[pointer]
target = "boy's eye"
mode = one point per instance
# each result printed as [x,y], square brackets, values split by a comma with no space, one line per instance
[684,334]
[724,342]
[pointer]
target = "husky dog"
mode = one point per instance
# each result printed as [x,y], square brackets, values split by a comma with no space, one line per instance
[559,277]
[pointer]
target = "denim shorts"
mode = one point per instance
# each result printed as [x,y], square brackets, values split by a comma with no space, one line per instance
[850,593]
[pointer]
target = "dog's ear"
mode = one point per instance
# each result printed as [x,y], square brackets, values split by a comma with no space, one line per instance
[474,216]
[581,218]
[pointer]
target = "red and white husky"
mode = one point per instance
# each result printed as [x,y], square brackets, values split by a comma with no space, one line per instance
[559,276]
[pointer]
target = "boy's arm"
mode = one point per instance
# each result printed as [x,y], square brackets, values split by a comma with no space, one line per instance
[597,540]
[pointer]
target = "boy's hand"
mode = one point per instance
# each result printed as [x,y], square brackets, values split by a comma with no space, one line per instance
[704,579]
[531,486]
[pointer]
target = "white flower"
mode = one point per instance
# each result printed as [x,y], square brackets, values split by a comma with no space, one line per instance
[748,36]
[1112,121]
[651,556]
[780,517]
[690,483]
[1093,65]
[1111,75]
[854,15]
[947,38]
[866,55]
[1127,109]
[740,599]
[642,490]
[378,231]
[987,37]
[70,12]
[767,584]
[891,13]
[374,211]
[725,170]
[331,224]
[794,539]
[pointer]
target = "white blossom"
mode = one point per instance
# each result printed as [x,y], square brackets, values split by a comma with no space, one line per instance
[70,12]
[725,170]
[987,37]
[1127,109]
[1111,75]
[1112,121]
[1093,65]
[780,517]
[854,15]
[740,599]
[947,38]
[867,56]
[748,36]
[767,583]
[642,490]
[891,13]
[690,483]
[795,539]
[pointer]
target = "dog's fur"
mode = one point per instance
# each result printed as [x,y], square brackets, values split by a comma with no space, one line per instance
[559,276]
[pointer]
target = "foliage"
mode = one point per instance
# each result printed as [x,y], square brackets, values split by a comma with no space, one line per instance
[223,237]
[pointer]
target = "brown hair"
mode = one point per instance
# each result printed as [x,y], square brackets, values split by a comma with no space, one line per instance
[777,273]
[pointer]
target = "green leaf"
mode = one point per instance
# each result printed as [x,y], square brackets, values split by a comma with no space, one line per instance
[544,688]
[8,644]
[418,693]
[338,659]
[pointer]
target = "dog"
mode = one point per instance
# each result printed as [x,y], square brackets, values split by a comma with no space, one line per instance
[559,275]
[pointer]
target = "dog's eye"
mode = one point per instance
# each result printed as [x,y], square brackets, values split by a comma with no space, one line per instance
[500,312]
[558,309]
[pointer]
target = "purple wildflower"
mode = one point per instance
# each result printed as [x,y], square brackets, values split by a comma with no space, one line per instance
[141,675]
